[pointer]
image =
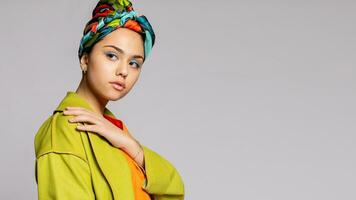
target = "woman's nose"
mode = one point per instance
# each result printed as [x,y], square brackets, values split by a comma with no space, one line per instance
[122,69]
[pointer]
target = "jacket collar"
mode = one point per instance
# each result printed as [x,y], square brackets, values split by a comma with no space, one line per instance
[74,100]
[111,160]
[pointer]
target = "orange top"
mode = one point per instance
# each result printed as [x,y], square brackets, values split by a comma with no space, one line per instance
[138,174]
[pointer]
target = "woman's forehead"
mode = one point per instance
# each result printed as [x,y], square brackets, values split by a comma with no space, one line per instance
[125,42]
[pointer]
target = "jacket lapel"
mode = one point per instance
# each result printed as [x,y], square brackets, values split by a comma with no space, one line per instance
[111,160]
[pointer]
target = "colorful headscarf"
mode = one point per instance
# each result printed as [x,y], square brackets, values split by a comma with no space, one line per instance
[109,15]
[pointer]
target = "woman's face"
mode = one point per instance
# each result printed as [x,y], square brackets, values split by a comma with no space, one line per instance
[118,57]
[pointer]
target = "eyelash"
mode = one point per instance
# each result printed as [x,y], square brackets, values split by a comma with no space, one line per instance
[112,54]
[138,66]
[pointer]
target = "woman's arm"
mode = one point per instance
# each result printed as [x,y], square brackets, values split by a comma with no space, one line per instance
[98,124]
[62,176]
[135,150]
[163,179]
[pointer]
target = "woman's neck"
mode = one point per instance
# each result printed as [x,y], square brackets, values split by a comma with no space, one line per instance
[85,92]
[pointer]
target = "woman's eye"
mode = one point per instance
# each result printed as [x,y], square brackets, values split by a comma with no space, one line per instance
[135,63]
[111,56]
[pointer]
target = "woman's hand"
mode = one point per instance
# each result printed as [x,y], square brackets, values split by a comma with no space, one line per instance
[100,125]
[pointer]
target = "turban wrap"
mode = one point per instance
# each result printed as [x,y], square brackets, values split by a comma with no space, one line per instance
[109,15]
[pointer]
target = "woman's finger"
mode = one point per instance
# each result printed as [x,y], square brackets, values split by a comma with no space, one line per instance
[87,127]
[84,118]
[80,111]
[73,108]
[99,123]
[73,112]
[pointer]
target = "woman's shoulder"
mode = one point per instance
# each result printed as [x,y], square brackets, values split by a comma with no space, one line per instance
[58,135]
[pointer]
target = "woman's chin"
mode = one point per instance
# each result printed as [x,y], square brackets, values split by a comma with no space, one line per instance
[116,95]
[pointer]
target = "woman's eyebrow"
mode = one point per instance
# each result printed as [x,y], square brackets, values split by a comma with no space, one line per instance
[122,51]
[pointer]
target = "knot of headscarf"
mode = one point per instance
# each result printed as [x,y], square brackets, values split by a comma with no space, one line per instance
[109,15]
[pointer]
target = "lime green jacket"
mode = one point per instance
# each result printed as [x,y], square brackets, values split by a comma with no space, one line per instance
[72,164]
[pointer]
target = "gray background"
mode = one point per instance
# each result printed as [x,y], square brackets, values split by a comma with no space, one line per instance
[248,99]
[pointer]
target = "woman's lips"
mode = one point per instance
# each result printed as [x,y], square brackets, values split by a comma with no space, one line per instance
[117,86]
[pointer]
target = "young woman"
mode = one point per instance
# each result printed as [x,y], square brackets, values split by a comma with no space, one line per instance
[82,150]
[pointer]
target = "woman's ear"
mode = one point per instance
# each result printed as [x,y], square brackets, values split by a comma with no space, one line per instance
[84,60]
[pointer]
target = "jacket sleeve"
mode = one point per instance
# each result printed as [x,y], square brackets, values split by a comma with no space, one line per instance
[63,176]
[162,178]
